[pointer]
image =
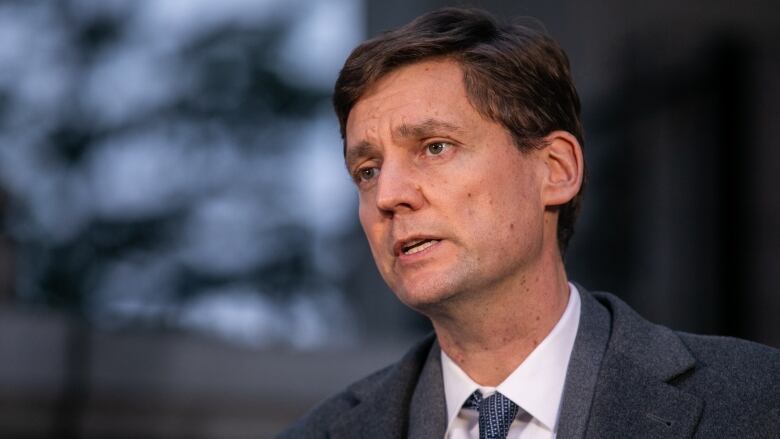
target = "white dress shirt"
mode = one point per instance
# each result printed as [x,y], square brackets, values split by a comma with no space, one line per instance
[536,386]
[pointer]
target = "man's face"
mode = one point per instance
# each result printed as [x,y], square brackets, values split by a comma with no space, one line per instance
[450,206]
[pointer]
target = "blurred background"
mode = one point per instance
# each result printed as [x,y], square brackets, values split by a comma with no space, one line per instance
[180,255]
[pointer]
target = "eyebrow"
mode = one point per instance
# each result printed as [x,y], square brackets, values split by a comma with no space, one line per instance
[355,152]
[426,128]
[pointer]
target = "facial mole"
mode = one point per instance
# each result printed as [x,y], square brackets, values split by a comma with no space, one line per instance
[512,226]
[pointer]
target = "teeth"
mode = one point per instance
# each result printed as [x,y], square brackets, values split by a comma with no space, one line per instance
[419,247]
[413,243]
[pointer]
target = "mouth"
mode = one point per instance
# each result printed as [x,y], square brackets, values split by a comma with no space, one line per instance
[414,245]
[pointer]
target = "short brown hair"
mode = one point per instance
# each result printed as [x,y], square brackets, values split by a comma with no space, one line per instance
[514,75]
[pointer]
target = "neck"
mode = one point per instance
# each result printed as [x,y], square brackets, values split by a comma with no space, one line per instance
[490,336]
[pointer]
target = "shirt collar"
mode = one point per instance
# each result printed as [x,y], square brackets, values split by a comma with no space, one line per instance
[536,386]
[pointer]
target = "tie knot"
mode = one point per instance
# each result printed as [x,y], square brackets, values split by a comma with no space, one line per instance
[496,413]
[473,401]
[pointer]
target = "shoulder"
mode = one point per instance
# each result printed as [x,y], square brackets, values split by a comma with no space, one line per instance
[737,381]
[732,356]
[739,363]
[385,383]
[317,421]
[745,363]
[746,371]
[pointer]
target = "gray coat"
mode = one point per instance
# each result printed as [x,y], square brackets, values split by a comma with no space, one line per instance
[627,378]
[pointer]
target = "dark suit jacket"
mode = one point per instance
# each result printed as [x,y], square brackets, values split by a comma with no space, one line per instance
[627,378]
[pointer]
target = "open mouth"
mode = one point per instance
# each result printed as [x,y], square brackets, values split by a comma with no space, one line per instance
[417,246]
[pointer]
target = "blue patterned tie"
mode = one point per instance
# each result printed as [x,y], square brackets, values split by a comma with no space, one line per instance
[496,413]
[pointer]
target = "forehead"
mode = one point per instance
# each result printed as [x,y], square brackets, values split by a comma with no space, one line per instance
[411,94]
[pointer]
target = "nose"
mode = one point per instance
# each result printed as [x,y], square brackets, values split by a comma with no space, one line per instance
[398,188]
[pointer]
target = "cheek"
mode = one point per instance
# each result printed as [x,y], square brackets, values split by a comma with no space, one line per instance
[370,221]
[367,221]
[505,210]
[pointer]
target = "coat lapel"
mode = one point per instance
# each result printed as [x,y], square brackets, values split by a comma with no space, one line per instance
[382,408]
[428,414]
[632,403]
[635,396]
[584,365]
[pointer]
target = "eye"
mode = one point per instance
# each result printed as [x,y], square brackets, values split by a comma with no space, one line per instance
[436,148]
[366,174]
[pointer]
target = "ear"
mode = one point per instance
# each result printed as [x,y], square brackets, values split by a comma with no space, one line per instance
[564,168]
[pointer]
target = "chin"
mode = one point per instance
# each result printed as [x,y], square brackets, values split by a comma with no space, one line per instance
[426,295]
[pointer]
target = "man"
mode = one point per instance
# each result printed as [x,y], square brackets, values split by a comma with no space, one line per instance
[463,138]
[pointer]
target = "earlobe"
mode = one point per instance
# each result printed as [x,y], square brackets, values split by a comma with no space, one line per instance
[564,165]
